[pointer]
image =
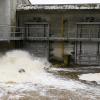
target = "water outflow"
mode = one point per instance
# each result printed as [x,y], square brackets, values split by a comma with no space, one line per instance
[20,66]
[21,71]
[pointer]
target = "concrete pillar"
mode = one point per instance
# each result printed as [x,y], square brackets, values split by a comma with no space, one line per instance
[4,12]
[7,17]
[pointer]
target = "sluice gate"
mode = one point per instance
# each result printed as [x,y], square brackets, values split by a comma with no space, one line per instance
[35,37]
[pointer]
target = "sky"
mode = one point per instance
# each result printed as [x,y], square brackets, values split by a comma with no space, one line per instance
[63,1]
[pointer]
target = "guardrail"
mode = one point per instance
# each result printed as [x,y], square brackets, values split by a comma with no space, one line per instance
[11,33]
[33,33]
[88,59]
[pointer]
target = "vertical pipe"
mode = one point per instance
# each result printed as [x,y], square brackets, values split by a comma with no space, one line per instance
[81,37]
[62,35]
[76,52]
[48,42]
[98,42]
[76,43]
[44,30]
[98,45]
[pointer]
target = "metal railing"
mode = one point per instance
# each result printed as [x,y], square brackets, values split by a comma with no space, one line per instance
[17,33]
[11,33]
[84,35]
[88,59]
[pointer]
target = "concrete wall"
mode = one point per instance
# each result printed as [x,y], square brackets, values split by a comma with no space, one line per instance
[7,17]
[54,22]
[54,19]
[39,49]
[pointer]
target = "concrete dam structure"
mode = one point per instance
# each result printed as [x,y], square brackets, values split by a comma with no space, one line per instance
[54,31]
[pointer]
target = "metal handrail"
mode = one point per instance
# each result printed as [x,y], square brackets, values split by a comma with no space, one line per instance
[15,32]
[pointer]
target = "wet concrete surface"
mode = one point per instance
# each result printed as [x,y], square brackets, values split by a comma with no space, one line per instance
[74,72]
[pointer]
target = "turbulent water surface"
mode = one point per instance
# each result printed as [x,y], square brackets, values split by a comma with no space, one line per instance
[24,77]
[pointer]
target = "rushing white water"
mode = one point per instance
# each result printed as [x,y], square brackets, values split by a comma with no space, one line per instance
[19,66]
[21,71]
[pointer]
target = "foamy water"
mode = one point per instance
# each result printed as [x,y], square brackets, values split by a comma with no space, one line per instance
[21,71]
[19,66]
[90,77]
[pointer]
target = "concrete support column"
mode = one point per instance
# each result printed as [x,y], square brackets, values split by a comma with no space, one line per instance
[7,17]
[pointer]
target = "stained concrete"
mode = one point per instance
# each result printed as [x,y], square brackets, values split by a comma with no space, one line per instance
[7,17]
